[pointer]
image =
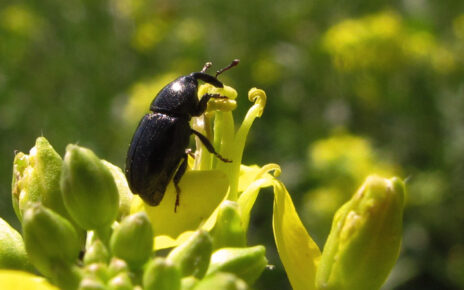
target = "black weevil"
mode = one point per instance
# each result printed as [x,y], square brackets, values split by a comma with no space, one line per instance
[158,150]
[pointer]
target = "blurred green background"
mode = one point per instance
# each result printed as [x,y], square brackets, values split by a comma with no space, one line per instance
[354,87]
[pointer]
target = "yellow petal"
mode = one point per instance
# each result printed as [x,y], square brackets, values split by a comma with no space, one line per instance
[298,252]
[248,197]
[201,193]
[12,280]
[248,174]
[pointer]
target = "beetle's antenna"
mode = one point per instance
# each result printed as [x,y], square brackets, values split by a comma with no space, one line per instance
[206,66]
[231,65]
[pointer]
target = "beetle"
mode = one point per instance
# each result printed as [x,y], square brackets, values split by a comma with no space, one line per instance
[158,151]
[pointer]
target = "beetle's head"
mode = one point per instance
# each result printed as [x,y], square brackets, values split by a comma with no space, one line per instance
[202,75]
[180,96]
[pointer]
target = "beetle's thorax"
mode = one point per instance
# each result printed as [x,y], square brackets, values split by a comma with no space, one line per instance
[178,98]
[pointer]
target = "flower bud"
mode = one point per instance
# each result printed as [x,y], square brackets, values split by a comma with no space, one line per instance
[36,178]
[228,230]
[91,283]
[188,283]
[125,195]
[89,191]
[67,276]
[192,257]
[12,252]
[51,241]
[117,266]
[246,263]
[132,240]
[121,281]
[98,271]
[220,280]
[96,253]
[365,238]
[161,274]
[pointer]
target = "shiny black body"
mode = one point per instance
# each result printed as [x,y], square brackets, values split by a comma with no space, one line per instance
[157,153]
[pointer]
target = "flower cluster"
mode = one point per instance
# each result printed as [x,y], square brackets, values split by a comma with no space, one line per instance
[83,229]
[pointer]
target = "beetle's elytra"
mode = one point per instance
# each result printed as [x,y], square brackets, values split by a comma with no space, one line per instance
[158,151]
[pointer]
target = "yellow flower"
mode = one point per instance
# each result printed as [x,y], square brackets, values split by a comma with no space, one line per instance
[209,187]
[208,183]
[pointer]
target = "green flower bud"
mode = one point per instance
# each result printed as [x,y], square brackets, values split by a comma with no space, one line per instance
[125,195]
[192,256]
[98,271]
[96,253]
[228,231]
[12,252]
[121,281]
[51,241]
[188,283]
[132,240]
[117,266]
[364,242]
[246,263]
[221,280]
[67,277]
[89,191]
[161,274]
[36,178]
[91,283]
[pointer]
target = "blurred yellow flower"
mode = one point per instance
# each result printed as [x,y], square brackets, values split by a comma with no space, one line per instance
[346,156]
[383,42]
[148,34]
[142,94]
[339,164]
[265,71]
[21,20]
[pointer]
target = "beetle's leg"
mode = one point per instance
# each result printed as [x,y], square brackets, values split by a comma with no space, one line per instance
[204,103]
[209,146]
[180,172]
[190,152]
